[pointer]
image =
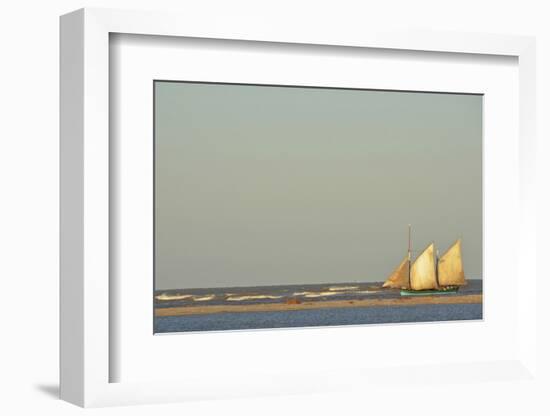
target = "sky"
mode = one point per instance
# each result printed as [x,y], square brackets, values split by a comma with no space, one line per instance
[268,185]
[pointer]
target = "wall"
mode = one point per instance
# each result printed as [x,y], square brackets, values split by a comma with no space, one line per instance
[29,172]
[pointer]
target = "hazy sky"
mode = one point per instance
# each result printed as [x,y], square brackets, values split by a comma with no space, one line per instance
[259,185]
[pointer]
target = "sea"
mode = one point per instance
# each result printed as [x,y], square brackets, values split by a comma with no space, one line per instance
[303,318]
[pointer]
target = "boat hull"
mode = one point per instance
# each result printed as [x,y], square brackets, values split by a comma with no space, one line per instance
[446,291]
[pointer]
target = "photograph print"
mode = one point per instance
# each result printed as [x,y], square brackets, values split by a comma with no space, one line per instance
[294,206]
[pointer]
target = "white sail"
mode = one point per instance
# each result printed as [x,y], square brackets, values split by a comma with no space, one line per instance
[399,279]
[423,274]
[450,271]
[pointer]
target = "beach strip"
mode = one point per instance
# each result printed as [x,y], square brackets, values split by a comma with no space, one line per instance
[363,303]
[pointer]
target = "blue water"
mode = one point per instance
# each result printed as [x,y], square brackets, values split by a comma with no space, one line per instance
[318,317]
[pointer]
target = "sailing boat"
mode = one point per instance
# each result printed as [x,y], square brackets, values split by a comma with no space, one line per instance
[429,274]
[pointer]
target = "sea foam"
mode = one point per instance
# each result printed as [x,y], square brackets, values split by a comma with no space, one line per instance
[340,288]
[167,297]
[251,297]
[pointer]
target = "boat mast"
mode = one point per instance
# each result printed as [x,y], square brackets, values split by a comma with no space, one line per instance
[409,255]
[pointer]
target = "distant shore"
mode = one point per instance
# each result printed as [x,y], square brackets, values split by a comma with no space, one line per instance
[363,303]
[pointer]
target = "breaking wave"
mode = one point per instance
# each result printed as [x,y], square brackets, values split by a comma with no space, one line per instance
[251,297]
[316,294]
[321,294]
[339,288]
[166,296]
[203,298]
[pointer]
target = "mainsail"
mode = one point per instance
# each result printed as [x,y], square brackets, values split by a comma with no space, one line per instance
[423,270]
[399,279]
[449,268]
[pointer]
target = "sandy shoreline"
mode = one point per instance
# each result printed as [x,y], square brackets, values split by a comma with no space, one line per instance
[267,307]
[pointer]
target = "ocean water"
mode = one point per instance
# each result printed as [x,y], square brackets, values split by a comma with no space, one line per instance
[278,294]
[317,317]
[303,318]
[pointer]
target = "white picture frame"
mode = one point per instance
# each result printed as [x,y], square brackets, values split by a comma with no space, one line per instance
[86,260]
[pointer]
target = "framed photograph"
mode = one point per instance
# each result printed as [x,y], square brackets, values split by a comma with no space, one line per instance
[256,212]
